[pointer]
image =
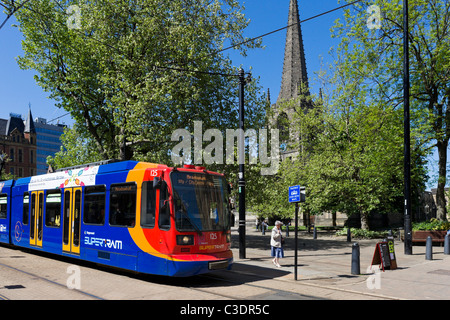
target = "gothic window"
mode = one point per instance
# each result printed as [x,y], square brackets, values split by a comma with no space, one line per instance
[283,127]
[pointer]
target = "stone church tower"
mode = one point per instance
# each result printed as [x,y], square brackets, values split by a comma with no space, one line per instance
[294,80]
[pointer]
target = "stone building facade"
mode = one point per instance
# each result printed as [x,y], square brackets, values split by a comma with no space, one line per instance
[18,144]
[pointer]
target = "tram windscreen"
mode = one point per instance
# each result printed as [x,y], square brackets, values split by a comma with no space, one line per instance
[200,202]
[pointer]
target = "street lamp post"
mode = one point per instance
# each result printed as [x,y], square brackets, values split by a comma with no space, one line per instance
[241,160]
[407,151]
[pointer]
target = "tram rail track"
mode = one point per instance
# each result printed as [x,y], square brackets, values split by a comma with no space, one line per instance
[240,283]
[37,277]
[301,286]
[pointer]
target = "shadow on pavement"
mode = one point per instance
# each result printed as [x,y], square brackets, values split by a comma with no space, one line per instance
[239,274]
[305,242]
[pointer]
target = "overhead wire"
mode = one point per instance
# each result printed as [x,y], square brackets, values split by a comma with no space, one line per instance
[180,69]
[286,27]
[10,14]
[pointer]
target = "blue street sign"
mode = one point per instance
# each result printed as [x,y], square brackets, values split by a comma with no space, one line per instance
[294,194]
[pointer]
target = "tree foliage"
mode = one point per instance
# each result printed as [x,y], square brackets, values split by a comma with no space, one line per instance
[134,71]
[376,57]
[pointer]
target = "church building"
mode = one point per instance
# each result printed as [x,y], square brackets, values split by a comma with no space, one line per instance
[294,82]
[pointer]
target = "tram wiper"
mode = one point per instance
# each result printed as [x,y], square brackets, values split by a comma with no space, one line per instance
[197,229]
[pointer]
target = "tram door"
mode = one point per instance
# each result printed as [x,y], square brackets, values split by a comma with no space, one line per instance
[37,218]
[72,219]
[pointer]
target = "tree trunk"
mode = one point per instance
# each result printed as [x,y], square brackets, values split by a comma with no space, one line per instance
[364,221]
[440,194]
[122,145]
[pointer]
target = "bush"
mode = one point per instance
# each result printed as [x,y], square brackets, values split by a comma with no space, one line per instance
[363,234]
[431,225]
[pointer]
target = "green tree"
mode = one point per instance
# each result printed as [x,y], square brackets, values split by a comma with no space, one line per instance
[376,57]
[131,72]
[76,149]
[349,151]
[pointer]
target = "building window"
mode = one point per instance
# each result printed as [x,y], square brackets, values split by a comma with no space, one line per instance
[20,155]
[11,154]
[31,156]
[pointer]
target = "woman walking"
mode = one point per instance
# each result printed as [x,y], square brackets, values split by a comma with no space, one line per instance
[276,244]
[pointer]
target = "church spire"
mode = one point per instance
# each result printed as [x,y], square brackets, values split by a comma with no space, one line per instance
[29,124]
[294,70]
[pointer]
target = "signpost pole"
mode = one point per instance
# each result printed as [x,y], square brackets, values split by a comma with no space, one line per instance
[296,195]
[296,241]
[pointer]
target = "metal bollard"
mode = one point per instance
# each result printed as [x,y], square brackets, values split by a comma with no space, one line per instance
[447,245]
[287,230]
[356,267]
[314,232]
[349,235]
[429,249]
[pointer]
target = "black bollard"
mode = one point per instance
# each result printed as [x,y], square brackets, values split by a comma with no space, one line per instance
[447,245]
[287,230]
[349,235]
[314,232]
[429,249]
[356,268]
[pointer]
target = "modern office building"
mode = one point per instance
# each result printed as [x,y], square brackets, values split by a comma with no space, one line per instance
[48,142]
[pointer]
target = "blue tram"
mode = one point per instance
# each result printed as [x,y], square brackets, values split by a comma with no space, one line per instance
[139,216]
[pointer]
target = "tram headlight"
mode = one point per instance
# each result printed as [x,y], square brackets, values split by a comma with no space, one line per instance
[185,240]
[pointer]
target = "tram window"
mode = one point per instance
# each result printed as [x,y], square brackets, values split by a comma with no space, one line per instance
[122,209]
[94,205]
[26,206]
[148,205]
[53,209]
[3,205]
[164,208]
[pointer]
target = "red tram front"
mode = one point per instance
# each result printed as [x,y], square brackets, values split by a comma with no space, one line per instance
[184,223]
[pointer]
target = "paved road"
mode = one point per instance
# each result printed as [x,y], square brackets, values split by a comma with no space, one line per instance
[324,273]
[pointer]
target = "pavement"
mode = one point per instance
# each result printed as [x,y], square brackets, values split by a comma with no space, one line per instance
[324,267]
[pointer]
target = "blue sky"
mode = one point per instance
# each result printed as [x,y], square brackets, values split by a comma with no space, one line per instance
[18,88]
